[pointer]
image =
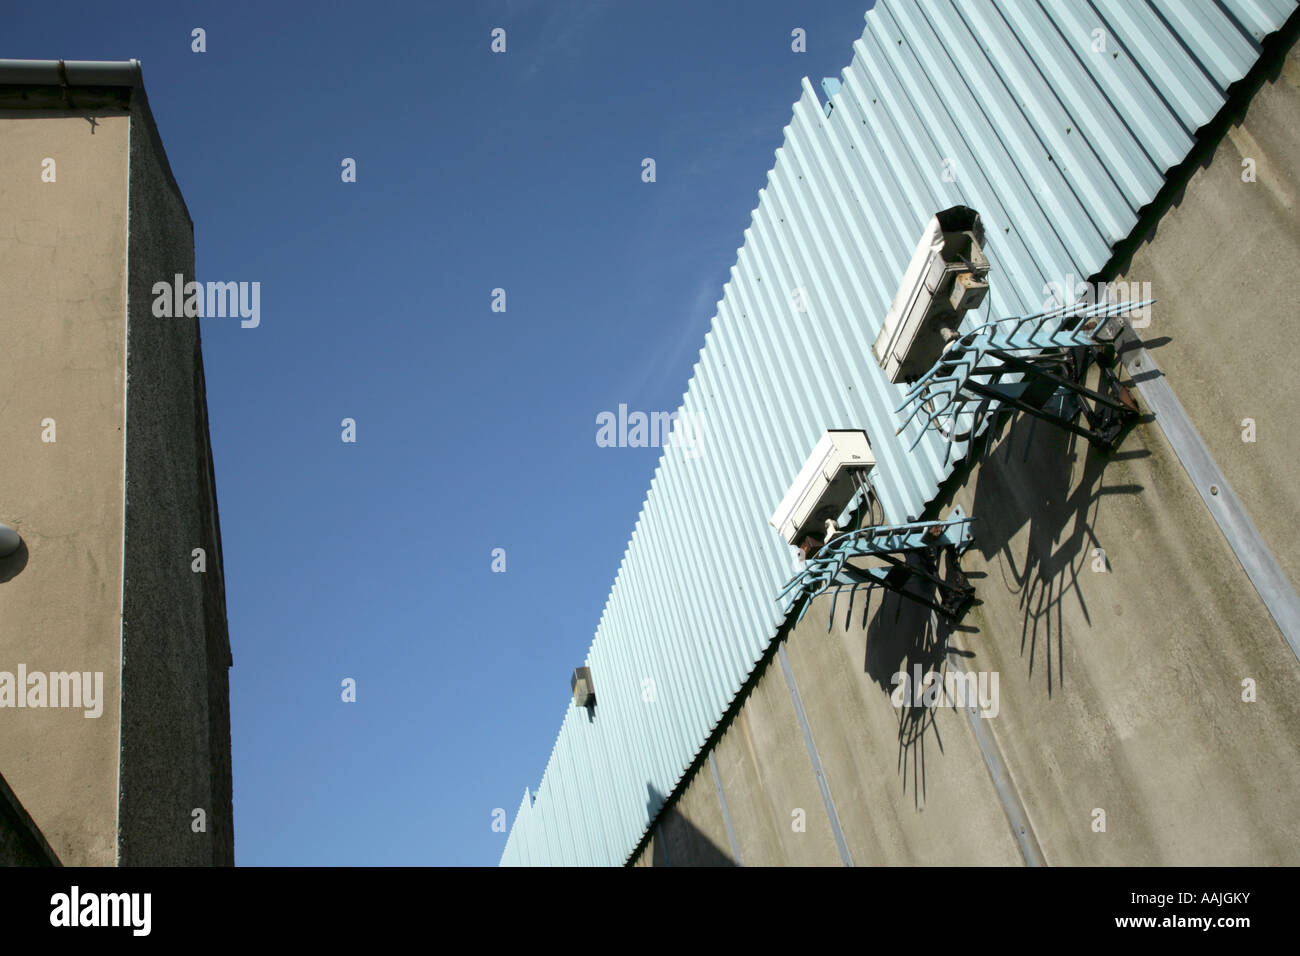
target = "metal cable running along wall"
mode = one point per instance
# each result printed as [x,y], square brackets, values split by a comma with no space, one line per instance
[1057,120]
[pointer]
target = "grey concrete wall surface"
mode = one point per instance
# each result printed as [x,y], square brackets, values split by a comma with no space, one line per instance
[1148,708]
[63,298]
[175,646]
[1221,264]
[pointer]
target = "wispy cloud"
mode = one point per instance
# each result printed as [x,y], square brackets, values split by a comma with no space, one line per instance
[561,33]
[681,338]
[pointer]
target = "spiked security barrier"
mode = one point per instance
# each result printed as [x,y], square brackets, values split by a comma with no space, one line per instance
[905,553]
[1036,364]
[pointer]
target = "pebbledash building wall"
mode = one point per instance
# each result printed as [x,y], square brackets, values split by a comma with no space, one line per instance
[106,473]
[1138,607]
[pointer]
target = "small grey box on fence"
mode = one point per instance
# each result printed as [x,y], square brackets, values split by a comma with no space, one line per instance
[584,693]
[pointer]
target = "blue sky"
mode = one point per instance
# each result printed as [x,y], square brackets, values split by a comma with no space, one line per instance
[475,429]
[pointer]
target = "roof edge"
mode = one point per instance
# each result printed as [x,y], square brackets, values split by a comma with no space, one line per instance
[71,73]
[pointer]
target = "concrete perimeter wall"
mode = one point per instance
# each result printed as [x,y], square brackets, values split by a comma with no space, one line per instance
[1117,619]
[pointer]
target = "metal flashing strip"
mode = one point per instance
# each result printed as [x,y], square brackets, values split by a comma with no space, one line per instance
[1271,583]
[1007,793]
[1009,796]
[811,746]
[726,814]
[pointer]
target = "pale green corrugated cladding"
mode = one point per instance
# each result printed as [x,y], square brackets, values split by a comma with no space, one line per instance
[1058,134]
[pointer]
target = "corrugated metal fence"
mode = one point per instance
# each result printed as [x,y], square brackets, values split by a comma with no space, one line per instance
[1057,121]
